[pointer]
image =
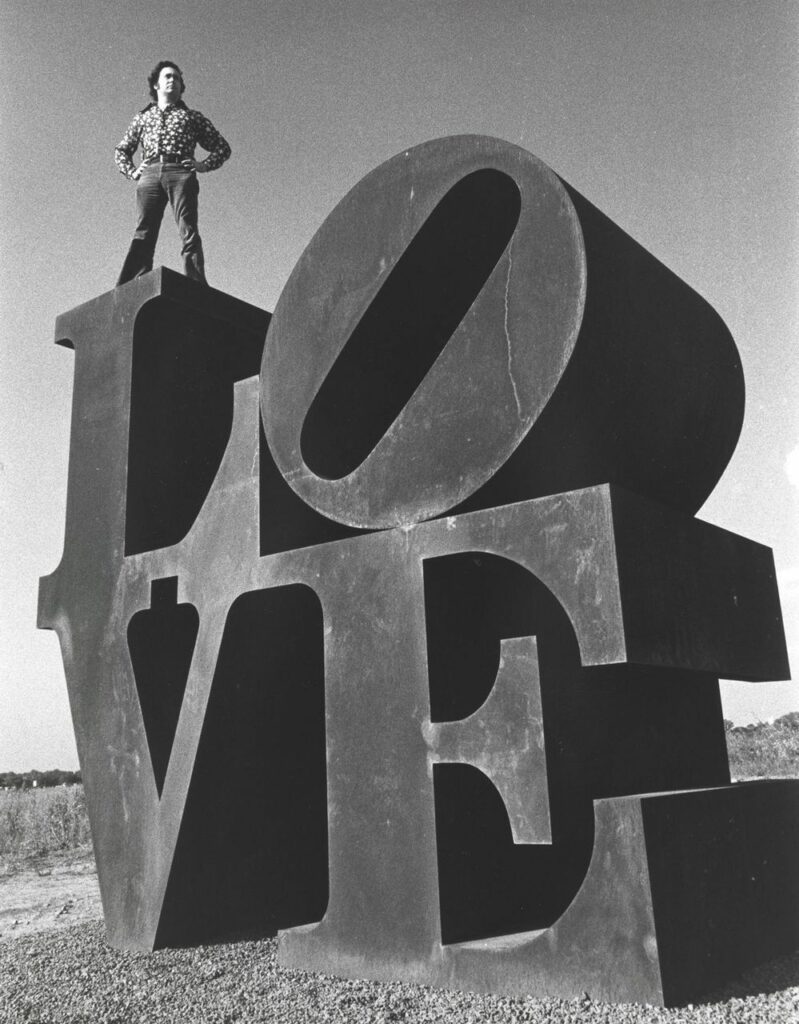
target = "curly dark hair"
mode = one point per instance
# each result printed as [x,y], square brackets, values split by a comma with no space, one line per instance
[152,78]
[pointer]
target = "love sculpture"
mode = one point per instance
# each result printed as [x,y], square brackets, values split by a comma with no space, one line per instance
[420,667]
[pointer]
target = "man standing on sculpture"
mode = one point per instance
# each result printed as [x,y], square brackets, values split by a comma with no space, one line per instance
[168,132]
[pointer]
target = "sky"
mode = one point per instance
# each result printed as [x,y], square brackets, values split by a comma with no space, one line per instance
[677,118]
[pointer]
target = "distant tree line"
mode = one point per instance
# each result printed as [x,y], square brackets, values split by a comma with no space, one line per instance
[787,724]
[38,780]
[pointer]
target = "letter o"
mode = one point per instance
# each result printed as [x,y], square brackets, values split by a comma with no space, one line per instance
[465,330]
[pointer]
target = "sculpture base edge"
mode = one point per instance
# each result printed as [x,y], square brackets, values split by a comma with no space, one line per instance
[685,891]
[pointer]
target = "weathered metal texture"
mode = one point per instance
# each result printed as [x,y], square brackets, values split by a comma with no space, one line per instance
[387,915]
[171,791]
[684,891]
[466,330]
[616,728]
[429,740]
[504,739]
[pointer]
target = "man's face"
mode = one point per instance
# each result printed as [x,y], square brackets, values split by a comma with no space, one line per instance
[170,84]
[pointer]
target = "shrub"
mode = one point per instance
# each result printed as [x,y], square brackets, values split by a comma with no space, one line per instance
[765,750]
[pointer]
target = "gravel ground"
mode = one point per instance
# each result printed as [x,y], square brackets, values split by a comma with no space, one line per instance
[73,976]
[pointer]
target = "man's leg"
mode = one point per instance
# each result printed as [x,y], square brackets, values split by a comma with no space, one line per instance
[183,189]
[151,202]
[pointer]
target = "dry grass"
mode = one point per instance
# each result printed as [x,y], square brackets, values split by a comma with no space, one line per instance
[36,823]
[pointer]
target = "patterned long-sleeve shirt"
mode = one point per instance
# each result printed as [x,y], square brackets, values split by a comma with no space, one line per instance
[175,130]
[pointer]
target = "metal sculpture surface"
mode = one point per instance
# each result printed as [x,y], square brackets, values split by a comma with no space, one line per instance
[425,672]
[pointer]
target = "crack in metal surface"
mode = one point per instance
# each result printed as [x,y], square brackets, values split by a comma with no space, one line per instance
[507,332]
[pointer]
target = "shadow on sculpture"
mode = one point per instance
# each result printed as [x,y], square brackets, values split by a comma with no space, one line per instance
[257,797]
[161,641]
[608,731]
[419,305]
[408,648]
[181,410]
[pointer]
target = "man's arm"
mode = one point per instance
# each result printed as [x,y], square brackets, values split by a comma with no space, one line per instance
[210,139]
[123,154]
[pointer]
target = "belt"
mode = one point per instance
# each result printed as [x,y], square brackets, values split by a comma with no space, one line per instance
[164,158]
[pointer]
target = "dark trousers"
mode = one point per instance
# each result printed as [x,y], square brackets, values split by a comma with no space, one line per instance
[159,184]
